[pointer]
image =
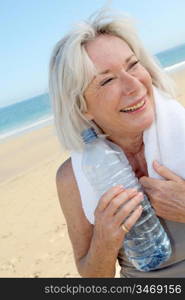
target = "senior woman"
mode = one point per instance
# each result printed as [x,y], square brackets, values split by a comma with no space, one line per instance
[101,76]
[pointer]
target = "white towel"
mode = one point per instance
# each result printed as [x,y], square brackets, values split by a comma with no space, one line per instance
[164,141]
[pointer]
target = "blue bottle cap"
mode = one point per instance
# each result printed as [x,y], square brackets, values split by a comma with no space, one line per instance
[89,135]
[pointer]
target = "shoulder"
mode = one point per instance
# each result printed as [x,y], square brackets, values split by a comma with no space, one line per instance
[68,192]
[65,180]
[65,172]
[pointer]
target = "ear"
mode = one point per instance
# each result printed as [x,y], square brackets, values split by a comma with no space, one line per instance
[88,116]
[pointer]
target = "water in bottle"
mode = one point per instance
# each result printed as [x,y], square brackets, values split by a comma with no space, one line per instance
[146,245]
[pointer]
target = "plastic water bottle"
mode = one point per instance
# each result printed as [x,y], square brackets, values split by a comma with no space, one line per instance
[146,245]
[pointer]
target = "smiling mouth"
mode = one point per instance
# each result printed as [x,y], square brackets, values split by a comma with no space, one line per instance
[134,107]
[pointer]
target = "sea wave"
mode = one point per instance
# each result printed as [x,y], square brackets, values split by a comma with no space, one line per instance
[176,67]
[30,127]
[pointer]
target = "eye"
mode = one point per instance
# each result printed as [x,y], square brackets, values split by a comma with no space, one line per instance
[133,64]
[106,81]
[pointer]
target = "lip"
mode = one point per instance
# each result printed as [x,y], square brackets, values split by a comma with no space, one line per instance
[135,103]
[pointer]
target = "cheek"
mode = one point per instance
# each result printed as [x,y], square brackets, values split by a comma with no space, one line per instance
[102,100]
[146,80]
[90,97]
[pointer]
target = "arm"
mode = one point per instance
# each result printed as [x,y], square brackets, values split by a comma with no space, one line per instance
[166,196]
[88,263]
[95,246]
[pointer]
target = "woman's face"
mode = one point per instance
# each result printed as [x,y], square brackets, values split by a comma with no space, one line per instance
[120,98]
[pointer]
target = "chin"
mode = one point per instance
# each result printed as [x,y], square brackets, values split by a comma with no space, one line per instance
[147,121]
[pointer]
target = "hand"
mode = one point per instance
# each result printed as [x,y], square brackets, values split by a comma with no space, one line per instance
[112,210]
[167,196]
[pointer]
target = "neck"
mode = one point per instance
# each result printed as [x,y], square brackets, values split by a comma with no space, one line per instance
[130,145]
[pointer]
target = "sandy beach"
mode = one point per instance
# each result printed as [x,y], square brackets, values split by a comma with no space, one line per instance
[33,233]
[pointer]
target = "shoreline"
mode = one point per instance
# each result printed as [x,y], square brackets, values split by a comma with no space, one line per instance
[21,130]
[23,153]
[176,67]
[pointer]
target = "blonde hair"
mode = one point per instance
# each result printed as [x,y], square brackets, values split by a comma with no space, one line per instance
[71,70]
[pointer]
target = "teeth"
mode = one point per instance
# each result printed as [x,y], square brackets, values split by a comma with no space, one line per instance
[134,107]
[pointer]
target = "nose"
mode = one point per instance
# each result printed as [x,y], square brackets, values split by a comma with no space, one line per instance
[130,83]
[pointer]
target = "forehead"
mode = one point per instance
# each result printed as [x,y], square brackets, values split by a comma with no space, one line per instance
[107,51]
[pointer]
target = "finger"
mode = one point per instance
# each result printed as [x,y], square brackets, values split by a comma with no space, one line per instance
[128,208]
[149,191]
[107,197]
[119,201]
[150,183]
[165,172]
[132,219]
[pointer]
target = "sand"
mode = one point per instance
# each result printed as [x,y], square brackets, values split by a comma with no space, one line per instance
[33,232]
[34,240]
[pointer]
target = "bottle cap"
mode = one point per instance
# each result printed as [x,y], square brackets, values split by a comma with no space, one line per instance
[88,135]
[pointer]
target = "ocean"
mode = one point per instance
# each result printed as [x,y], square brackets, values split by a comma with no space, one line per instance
[36,112]
[25,116]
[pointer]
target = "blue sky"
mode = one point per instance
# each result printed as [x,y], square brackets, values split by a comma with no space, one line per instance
[29,30]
